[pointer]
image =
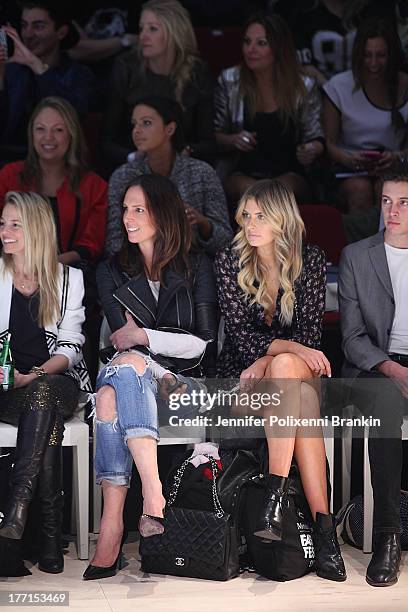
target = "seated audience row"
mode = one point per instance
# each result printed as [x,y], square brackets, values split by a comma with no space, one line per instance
[271,289]
[172,287]
[56,167]
[267,112]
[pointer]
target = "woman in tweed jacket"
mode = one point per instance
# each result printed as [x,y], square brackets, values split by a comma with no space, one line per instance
[157,133]
[267,115]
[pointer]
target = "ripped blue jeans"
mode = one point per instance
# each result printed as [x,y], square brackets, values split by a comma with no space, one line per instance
[137,405]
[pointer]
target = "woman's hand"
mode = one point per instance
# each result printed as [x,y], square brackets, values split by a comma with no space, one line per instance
[307,153]
[385,161]
[358,162]
[194,217]
[244,141]
[129,335]
[170,385]
[316,360]
[252,375]
[20,380]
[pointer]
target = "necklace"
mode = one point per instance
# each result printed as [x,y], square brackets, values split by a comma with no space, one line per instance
[28,285]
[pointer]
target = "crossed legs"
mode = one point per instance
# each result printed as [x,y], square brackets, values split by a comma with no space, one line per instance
[307,446]
[112,422]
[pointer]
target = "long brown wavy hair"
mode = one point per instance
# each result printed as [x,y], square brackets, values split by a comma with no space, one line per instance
[173,232]
[75,157]
[287,77]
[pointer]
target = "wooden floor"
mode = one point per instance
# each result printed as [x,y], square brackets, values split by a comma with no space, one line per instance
[132,591]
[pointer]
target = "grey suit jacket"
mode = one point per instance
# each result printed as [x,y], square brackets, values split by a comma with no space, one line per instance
[367,304]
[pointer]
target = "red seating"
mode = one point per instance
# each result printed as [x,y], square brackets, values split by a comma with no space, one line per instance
[219,47]
[324,227]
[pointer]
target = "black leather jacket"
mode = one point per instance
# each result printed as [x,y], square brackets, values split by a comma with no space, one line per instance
[185,305]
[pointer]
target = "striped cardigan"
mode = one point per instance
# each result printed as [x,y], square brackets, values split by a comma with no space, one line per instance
[64,336]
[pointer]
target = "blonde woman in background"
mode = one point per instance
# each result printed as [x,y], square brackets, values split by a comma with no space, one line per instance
[41,307]
[271,290]
[166,62]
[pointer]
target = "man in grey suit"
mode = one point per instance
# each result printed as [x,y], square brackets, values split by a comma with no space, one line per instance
[373,296]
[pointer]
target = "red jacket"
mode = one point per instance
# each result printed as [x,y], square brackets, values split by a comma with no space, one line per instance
[89,230]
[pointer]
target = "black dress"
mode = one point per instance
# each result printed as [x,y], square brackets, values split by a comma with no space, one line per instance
[247,333]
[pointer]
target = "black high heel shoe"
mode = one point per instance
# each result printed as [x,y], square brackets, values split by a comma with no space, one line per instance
[150,525]
[95,572]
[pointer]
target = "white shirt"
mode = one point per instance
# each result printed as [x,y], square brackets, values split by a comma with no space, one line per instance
[171,344]
[363,125]
[397,260]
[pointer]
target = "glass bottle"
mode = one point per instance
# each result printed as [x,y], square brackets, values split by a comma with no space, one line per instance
[6,363]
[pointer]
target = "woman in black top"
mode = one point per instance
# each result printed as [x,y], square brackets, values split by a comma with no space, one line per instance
[267,115]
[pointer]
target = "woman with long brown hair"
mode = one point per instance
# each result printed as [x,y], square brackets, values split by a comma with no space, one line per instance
[267,115]
[160,302]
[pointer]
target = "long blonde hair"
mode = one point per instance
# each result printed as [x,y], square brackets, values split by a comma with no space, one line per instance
[40,249]
[179,31]
[279,207]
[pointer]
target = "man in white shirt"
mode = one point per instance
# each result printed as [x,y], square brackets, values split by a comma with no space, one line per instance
[373,292]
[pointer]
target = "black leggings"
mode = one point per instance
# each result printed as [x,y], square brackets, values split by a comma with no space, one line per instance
[51,392]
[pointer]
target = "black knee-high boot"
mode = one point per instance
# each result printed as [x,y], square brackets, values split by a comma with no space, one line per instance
[33,434]
[51,500]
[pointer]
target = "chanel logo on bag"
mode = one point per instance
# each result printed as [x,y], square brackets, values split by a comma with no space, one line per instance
[180,561]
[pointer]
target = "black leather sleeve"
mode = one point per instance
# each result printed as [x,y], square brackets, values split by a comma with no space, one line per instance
[112,309]
[206,312]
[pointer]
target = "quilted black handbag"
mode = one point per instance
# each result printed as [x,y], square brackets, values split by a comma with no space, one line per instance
[195,543]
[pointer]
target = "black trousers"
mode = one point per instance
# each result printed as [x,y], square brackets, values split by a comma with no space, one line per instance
[377,396]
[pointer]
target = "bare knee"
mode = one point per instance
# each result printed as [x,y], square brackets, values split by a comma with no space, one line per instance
[297,183]
[237,184]
[358,193]
[131,359]
[309,398]
[106,404]
[286,365]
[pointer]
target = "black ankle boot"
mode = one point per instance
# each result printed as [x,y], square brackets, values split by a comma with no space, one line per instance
[32,438]
[384,565]
[269,524]
[328,560]
[50,558]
